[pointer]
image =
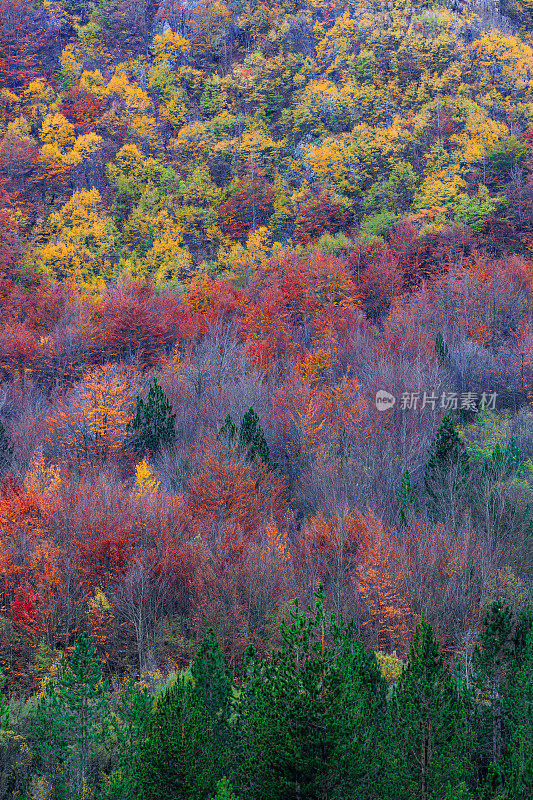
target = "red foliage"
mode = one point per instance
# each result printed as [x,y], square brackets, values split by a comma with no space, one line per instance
[250,206]
[82,108]
[22,609]
[134,321]
[318,214]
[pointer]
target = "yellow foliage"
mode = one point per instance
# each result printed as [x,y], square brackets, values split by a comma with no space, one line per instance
[82,239]
[390,666]
[166,47]
[99,602]
[244,262]
[145,480]
[514,59]
[84,147]
[57,130]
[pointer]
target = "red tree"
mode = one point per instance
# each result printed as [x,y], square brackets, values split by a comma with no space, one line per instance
[82,108]
[250,205]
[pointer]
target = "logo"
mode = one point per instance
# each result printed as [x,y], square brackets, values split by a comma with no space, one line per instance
[384,400]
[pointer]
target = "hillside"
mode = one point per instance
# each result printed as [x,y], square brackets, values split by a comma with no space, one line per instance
[266,286]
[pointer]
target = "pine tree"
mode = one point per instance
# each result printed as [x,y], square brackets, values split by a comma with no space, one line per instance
[430,741]
[212,685]
[491,663]
[441,349]
[225,790]
[308,717]
[162,769]
[518,712]
[188,746]
[153,425]
[249,440]
[447,469]
[4,708]
[252,440]
[130,726]
[72,715]
[6,451]
[407,498]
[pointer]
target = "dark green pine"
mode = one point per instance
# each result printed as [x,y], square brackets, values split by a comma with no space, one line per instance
[429,741]
[153,425]
[518,713]
[252,440]
[447,468]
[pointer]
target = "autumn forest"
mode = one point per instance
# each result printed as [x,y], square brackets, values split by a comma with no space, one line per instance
[266,386]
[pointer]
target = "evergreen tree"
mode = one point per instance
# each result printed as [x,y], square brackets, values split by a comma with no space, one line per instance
[212,685]
[407,499]
[188,747]
[430,740]
[4,708]
[72,716]
[518,711]
[441,349]
[491,663]
[447,469]
[130,725]
[163,766]
[252,440]
[225,790]
[249,440]
[153,425]
[307,718]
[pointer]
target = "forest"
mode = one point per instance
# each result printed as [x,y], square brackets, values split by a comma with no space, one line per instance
[266,385]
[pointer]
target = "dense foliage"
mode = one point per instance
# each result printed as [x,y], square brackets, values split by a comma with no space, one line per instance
[230,233]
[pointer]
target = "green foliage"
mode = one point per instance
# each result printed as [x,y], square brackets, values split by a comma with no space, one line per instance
[518,710]
[6,451]
[72,717]
[431,743]
[308,719]
[474,211]
[225,790]
[441,349]
[507,157]
[129,726]
[379,224]
[407,499]
[188,744]
[153,425]
[446,472]
[250,440]
[4,708]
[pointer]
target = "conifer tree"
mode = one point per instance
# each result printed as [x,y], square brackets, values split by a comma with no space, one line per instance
[249,440]
[72,716]
[430,741]
[153,425]
[163,765]
[225,790]
[307,718]
[447,469]
[518,711]
[188,746]
[6,451]
[252,440]
[491,661]
[407,498]
[130,725]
